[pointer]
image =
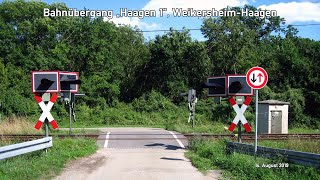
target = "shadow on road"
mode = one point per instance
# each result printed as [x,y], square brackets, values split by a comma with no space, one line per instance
[172,159]
[168,147]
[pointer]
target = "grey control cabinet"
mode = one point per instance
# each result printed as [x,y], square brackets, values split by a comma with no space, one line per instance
[273,117]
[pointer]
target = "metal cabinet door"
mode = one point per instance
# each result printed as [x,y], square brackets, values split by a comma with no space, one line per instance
[276,122]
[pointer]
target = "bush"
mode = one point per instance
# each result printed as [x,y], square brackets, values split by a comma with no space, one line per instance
[296,107]
[152,102]
[204,107]
[222,112]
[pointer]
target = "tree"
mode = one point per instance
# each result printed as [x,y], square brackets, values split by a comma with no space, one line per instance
[235,40]
[176,63]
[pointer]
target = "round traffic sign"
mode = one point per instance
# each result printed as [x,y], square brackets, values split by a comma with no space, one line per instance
[257,77]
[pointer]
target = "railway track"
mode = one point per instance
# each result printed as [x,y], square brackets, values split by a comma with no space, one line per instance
[249,137]
[28,137]
[233,137]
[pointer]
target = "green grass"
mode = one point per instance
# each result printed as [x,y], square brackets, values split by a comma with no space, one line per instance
[43,165]
[181,125]
[5,142]
[81,131]
[110,126]
[221,128]
[303,131]
[312,146]
[206,155]
[205,127]
[122,116]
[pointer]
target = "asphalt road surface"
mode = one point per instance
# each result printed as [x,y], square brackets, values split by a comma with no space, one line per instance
[136,154]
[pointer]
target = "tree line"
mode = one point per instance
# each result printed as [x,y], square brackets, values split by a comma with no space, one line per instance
[118,62]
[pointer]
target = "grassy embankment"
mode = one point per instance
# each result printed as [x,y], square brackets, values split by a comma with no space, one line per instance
[23,125]
[206,155]
[312,146]
[40,164]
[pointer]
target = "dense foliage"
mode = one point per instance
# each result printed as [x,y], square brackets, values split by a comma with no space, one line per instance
[116,62]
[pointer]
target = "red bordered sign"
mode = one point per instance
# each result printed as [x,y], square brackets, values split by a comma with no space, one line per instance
[257,77]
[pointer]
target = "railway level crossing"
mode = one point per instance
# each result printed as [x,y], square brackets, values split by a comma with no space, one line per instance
[239,85]
[46,85]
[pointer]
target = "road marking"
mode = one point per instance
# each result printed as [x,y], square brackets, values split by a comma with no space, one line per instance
[107,140]
[179,142]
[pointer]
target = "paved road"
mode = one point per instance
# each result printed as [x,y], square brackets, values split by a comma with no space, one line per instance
[131,138]
[137,154]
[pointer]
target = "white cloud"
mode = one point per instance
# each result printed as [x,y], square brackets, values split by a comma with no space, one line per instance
[296,11]
[195,4]
[133,22]
[169,4]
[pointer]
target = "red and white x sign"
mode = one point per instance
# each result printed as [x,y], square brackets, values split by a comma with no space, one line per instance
[46,111]
[240,113]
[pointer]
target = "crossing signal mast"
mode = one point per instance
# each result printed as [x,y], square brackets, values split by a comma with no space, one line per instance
[46,85]
[232,85]
[192,101]
[239,85]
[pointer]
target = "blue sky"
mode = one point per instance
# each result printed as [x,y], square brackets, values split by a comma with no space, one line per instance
[295,12]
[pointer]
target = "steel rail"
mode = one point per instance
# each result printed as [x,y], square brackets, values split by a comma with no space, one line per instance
[122,136]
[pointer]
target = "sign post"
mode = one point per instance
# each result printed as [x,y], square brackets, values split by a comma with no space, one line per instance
[0,113]
[70,113]
[256,78]
[239,132]
[256,130]
[46,99]
[239,100]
